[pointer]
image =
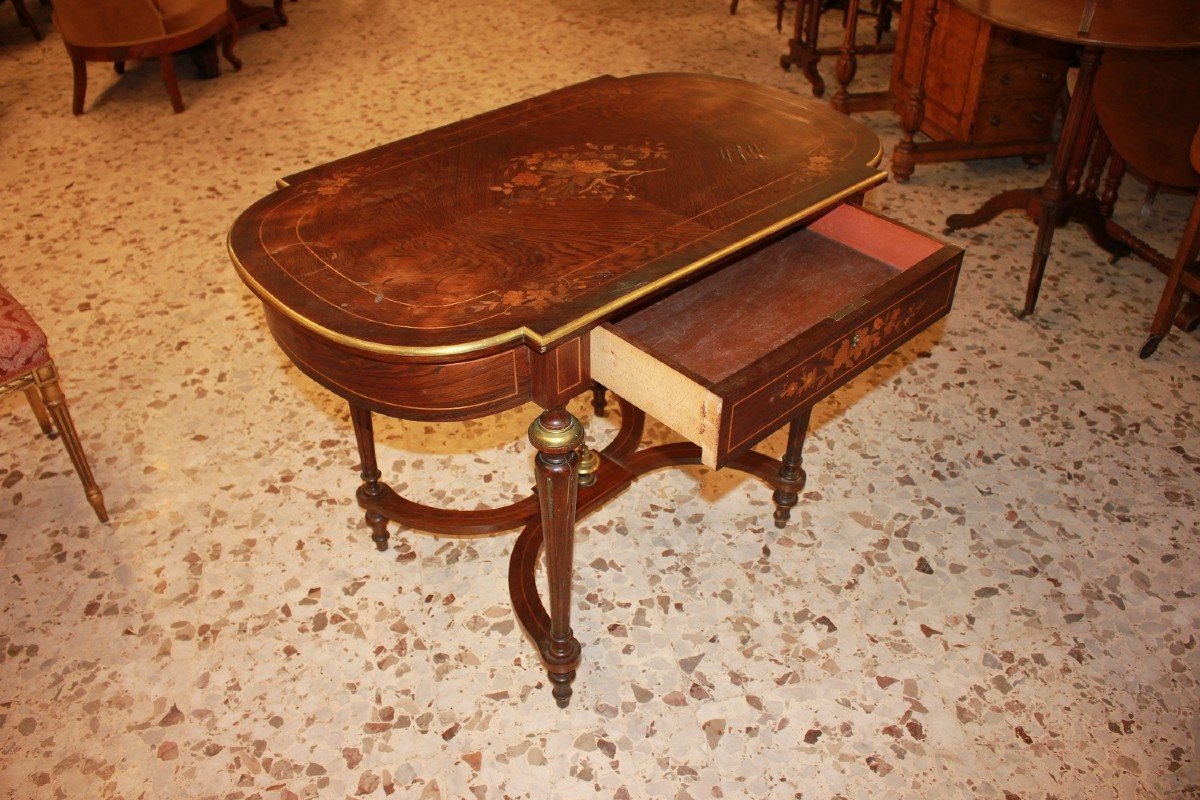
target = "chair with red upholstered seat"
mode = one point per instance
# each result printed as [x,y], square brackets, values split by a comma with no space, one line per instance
[127,30]
[25,363]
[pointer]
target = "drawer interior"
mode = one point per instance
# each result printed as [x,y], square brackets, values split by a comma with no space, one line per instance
[732,318]
[724,360]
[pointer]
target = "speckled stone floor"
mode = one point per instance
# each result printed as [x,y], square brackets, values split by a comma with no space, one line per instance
[989,591]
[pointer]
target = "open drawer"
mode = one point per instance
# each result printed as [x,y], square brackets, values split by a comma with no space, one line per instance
[726,360]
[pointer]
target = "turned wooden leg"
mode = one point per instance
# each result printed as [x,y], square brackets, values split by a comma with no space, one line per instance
[79,66]
[791,477]
[847,63]
[46,379]
[39,410]
[229,40]
[167,66]
[912,115]
[1054,192]
[1112,183]
[557,435]
[1100,155]
[364,436]
[811,58]
[597,399]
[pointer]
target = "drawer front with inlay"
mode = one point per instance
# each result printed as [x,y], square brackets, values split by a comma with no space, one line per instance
[762,410]
[730,358]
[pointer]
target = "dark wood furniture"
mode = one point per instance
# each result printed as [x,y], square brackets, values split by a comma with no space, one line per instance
[805,51]
[26,18]
[594,233]
[1153,132]
[248,15]
[25,365]
[1092,26]
[128,30]
[1184,272]
[976,89]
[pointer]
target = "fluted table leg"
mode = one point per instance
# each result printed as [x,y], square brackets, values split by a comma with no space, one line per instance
[557,435]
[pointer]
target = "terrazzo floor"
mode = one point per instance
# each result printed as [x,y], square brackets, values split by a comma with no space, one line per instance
[989,590]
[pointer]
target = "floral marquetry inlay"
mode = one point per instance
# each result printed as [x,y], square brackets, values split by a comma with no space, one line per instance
[604,172]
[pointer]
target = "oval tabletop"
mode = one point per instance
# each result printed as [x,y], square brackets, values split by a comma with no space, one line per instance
[1132,24]
[537,220]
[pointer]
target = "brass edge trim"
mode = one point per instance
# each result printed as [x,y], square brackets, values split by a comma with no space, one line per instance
[360,344]
[524,333]
[653,286]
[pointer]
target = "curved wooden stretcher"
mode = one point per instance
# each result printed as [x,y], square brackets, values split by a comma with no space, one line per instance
[690,242]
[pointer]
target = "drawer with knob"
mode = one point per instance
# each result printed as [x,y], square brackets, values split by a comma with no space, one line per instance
[1014,120]
[1026,78]
[731,357]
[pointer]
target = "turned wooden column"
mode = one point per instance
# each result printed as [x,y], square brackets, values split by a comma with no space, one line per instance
[1055,192]
[364,435]
[557,435]
[791,477]
[847,63]
[913,112]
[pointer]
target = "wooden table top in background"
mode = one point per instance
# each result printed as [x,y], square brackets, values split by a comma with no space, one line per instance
[535,221]
[1134,24]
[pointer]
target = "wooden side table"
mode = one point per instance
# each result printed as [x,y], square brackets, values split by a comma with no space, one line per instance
[686,240]
[1091,26]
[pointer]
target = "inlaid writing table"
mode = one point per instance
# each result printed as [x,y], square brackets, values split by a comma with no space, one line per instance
[690,242]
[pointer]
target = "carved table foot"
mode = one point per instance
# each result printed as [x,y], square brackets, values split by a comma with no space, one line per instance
[791,477]
[1005,201]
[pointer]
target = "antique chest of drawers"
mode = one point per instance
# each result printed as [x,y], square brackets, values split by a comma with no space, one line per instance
[987,91]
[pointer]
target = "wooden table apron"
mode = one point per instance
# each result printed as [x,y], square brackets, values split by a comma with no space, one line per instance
[456,274]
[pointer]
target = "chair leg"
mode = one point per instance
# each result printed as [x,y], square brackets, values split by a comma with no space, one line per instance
[26,19]
[279,14]
[119,67]
[80,67]
[39,410]
[168,75]
[46,379]
[1168,305]
[229,40]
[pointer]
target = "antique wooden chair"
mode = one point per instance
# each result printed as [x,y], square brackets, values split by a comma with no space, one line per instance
[26,18]
[1148,105]
[125,30]
[25,364]
[1185,269]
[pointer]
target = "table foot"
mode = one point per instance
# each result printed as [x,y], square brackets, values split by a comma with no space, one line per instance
[379,530]
[598,399]
[1150,346]
[1005,201]
[790,478]
[557,435]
